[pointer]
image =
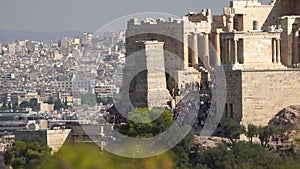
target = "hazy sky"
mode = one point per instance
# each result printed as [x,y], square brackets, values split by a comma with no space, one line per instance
[89,15]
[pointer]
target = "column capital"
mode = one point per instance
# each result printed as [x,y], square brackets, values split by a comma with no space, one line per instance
[205,33]
[217,31]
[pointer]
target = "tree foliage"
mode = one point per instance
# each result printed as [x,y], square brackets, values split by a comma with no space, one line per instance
[4,105]
[28,156]
[265,133]
[89,156]
[143,130]
[58,105]
[252,131]
[24,104]
[15,105]
[241,156]
[33,103]
[233,129]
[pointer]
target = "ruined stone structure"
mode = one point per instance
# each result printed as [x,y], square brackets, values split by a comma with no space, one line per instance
[178,59]
[145,75]
[257,45]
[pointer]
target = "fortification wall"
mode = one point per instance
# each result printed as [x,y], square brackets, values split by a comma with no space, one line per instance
[233,105]
[266,92]
[170,32]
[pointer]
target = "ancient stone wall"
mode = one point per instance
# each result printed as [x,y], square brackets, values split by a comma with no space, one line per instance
[233,105]
[250,11]
[257,48]
[266,92]
[170,32]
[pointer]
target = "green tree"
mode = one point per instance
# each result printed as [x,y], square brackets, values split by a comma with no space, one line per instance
[4,105]
[15,105]
[290,162]
[252,131]
[218,157]
[89,156]
[65,105]
[9,106]
[24,104]
[249,155]
[28,156]
[233,130]
[264,134]
[181,152]
[50,101]
[58,105]
[33,103]
[242,155]
[144,130]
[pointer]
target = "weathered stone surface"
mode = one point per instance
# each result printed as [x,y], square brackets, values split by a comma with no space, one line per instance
[145,76]
[287,119]
[258,95]
[209,142]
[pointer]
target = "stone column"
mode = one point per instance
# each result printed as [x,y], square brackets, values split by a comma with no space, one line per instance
[225,55]
[235,53]
[274,50]
[230,22]
[186,50]
[296,47]
[195,49]
[278,51]
[229,54]
[218,49]
[206,50]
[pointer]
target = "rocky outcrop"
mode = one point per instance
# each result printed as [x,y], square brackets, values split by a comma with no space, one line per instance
[287,119]
[204,143]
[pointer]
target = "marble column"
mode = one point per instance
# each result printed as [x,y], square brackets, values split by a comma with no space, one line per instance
[206,50]
[186,50]
[235,53]
[274,50]
[296,47]
[225,55]
[195,50]
[278,60]
[229,54]
[218,49]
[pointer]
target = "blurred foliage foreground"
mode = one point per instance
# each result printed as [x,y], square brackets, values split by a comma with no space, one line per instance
[89,156]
